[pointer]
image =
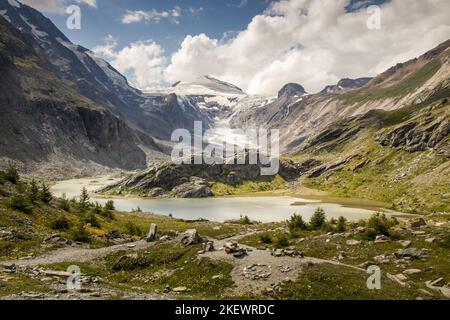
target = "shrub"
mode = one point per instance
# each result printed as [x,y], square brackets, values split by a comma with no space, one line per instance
[11,175]
[109,205]
[83,203]
[266,238]
[107,214]
[81,235]
[133,230]
[318,219]
[92,220]
[33,194]
[296,222]
[379,224]
[97,208]
[45,195]
[60,224]
[245,220]
[341,224]
[282,241]
[20,203]
[64,203]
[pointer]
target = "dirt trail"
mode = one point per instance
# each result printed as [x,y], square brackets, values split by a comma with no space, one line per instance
[73,254]
[280,268]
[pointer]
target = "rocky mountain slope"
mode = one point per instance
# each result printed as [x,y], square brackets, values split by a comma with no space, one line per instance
[94,78]
[301,117]
[46,125]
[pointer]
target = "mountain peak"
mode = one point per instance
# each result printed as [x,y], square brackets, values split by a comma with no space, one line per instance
[291,89]
[346,84]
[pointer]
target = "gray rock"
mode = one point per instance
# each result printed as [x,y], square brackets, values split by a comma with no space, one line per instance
[209,246]
[418,223]
[189,237]
[152,233]
[412,253]
[114,234]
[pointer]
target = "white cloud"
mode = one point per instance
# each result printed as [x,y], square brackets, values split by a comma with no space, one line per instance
[195,11]
[151,16]
[56,6]
[143,61]
[314,43]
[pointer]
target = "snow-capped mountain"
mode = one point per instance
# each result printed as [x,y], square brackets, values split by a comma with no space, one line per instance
[97,80]
[215,98]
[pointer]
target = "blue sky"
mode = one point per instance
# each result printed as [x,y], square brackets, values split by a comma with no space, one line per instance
[269,42]
[212,17]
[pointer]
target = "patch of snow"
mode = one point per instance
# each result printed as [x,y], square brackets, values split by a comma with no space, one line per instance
[3,13]
[113,75]
[14,3]
[34,30]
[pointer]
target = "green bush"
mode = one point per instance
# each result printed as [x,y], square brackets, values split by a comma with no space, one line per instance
[60,224]
[245,220]
[33,193]
[318,219]
[133,230]
[81,235]
[64,203]
[107,214]
[20,203]
[84,201]
[45,195]
[341,225]
[266,238]
[97,208]
[11,175]
[92,220]
[379,224]
[296,222]
[282,241]
[109,205]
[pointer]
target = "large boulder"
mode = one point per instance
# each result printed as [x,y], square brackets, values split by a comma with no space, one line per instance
[189,237]
[152,233]
[418,223]
[412,253]
[194,188]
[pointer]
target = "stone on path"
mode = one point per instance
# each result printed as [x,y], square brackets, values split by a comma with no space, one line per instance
[189,237]
[152,233]
[353,242]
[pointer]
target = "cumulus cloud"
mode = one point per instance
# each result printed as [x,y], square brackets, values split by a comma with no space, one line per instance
[143,61]
[56,6]
[151,16]
[314,43]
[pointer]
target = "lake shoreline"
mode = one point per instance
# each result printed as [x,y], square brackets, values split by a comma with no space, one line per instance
[269,206]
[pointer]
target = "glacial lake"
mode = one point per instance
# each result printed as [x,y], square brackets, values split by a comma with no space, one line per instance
[258,208]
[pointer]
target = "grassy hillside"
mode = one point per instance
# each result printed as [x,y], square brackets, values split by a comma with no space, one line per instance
[409,179]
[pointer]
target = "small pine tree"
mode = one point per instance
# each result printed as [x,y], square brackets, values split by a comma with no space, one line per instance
[45,194]
[318,219]
[11,175]
[245,220]
[34,192]
[296,222]
[97,208]
[64,203]
[84,203]
[109,205]
[341,225]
